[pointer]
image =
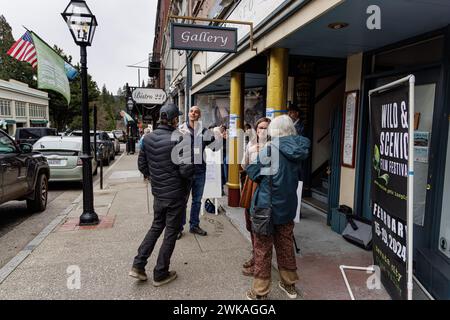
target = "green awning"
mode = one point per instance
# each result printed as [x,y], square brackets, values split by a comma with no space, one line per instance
[10,121]
[38,121]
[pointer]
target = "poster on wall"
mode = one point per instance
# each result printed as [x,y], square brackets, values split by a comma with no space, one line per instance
[389,186]
[421,146]
[349,139]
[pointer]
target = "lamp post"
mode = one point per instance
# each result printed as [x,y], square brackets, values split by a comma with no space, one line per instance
[82,24]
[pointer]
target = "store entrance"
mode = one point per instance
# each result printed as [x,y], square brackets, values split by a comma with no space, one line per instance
[430,132]
[319,87]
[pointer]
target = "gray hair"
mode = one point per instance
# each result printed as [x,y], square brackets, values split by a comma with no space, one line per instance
[282,126]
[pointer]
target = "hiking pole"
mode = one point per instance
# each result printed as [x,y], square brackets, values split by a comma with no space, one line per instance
[297,250]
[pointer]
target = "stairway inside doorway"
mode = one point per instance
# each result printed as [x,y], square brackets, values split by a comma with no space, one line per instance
[319,190]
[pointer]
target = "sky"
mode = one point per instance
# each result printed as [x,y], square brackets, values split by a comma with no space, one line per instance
[124,35]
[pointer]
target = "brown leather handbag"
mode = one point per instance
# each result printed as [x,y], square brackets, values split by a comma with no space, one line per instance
[247,193]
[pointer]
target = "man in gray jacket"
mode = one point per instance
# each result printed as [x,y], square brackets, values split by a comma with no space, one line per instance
[171,181]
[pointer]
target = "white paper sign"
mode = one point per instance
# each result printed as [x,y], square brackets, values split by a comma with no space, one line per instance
[232,133]
[349,129]
[270,113]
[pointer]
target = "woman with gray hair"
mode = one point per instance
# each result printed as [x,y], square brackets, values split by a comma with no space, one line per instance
[277,174]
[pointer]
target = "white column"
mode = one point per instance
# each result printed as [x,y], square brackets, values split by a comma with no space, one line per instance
[27,114]
[13,116]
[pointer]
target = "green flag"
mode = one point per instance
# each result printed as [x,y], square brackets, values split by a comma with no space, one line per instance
[51,72]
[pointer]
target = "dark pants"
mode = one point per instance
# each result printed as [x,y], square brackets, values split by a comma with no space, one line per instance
[131,145]
[198,184]
[168,214]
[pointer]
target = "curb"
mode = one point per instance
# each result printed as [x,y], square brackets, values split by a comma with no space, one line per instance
[15,262]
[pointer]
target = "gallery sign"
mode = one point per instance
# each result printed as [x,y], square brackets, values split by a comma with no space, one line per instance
[203,38]
[149,96]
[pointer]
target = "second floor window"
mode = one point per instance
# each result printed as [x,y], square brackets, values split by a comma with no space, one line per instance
[38,111]
[5,107]
[20,109]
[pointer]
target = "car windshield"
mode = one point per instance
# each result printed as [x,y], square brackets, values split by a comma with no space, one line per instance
[35,133]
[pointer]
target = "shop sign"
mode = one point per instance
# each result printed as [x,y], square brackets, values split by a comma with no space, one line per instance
[149,96]
[389,186]
[232,133]
[203,38]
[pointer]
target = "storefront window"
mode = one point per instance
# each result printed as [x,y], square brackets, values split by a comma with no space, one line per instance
[216,107]
[444,237]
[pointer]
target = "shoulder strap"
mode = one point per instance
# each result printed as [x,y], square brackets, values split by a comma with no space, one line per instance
[269,154]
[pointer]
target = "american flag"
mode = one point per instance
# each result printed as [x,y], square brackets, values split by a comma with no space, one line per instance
[23,50]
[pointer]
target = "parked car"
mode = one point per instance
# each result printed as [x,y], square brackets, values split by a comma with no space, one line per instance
[24,174]
[104,143]
[115,141]
[31,135]
[63,157]
[120,135]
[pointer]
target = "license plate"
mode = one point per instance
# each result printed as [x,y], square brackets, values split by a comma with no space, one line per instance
[54,162]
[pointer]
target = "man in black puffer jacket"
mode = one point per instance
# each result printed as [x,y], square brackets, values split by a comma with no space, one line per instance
[170,176]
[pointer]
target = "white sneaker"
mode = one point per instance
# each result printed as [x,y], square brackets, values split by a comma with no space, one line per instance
[290,290]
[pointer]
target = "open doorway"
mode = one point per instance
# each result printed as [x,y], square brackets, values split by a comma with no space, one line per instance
[319,88]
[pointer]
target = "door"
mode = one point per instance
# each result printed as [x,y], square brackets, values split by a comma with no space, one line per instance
[13,170]
[427,92]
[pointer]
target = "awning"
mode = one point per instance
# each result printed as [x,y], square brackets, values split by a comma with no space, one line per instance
[39,121]
[10,121]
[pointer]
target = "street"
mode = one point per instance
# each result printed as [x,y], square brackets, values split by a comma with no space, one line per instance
[18,226]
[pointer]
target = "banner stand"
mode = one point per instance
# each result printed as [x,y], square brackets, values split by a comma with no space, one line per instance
[343,267]
[410,189]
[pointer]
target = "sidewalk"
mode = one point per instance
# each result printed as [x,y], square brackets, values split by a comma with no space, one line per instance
[321,253]
[208,267]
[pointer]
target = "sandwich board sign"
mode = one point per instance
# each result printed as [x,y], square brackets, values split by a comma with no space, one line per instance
[213,179]
[392,125]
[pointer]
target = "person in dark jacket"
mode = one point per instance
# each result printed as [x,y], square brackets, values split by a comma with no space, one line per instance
[170,179]
[287,150]
[199,138]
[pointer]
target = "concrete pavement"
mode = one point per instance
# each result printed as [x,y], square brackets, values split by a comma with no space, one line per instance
[208,267]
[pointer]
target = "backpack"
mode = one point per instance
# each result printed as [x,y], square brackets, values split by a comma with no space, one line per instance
[209,206]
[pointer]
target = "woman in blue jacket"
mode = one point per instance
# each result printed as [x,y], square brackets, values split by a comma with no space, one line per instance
[287,150]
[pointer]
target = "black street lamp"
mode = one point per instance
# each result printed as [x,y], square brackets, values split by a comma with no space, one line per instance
[82,24]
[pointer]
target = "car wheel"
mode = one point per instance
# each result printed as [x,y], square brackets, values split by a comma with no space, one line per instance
[39,203]
[113,154]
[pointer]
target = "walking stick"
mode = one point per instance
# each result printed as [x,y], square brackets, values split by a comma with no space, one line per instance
[297,250]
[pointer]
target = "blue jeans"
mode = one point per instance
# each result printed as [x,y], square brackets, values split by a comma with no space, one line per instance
[198,184]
